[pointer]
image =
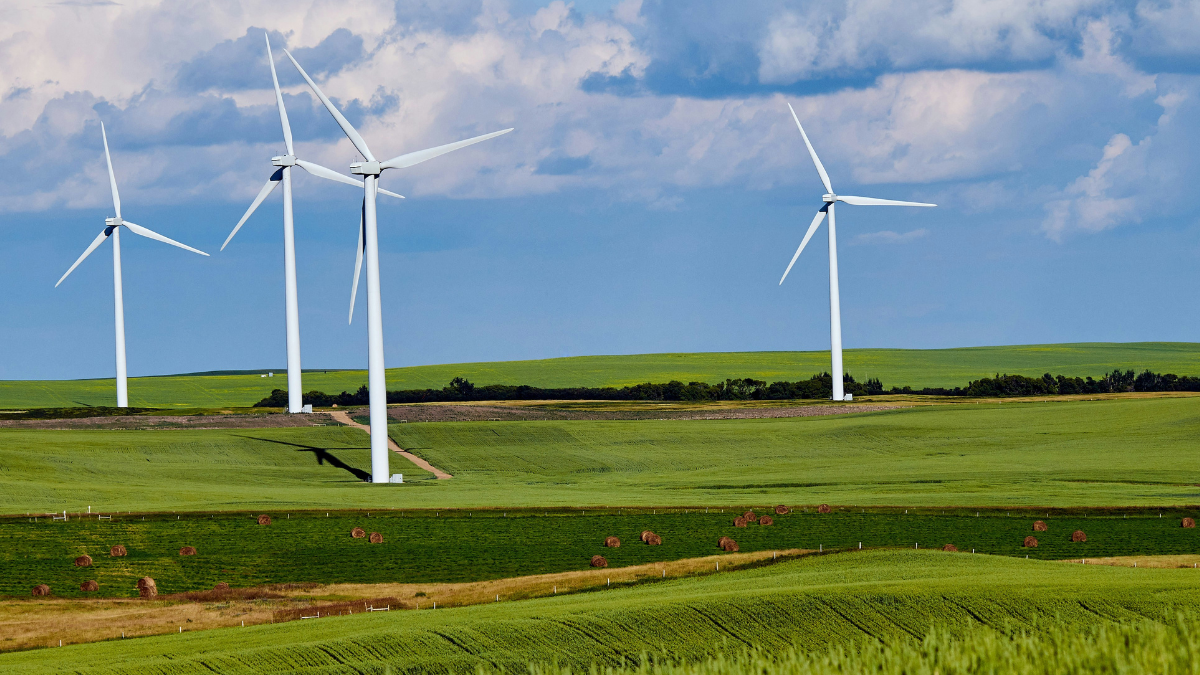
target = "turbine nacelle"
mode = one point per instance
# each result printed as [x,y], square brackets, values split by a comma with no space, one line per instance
[829,198]
[283,160]
[366,168]
[113,222]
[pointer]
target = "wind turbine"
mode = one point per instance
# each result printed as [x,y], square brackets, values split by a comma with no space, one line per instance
[835,304]
[112,228]
[284,175]
[369,245]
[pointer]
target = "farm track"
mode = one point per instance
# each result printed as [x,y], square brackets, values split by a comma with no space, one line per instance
[342,417]
[41,622]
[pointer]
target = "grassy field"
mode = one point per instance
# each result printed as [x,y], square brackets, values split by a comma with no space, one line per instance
[814,603]
[895,367]
[454,547]
[1125,451]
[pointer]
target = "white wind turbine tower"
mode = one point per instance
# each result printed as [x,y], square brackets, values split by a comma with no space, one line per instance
[835,305]
[112,228]
[284,175]
[369,245]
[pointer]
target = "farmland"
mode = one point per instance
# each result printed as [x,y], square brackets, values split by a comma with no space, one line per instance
[895,367]
[894,597]
[464,546]
[1124,451]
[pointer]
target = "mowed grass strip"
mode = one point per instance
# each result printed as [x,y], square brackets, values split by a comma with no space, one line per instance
[891,597]
[1123,451]
[895,367]
[455,547]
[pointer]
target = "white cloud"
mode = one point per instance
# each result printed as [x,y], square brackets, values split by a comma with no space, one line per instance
[889,237]
[1088,203]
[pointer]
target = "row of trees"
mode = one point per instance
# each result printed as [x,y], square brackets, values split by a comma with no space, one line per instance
[748,389]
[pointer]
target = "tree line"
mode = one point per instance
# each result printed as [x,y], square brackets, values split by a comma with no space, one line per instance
[748,389]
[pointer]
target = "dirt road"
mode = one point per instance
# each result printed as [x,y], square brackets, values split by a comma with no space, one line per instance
[342,417]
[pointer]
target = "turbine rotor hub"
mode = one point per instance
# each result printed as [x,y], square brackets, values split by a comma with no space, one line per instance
[829,198]
[284,160]
[365,168]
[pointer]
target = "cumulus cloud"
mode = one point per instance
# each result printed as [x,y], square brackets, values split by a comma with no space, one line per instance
[889,237]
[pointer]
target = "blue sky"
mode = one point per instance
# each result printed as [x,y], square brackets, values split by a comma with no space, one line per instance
[649,199]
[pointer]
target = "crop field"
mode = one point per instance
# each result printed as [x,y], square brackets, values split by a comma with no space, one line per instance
[458,546]
[814,603]
[895,367]
[1119,452]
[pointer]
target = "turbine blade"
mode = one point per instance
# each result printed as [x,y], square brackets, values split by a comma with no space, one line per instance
[346,128]
[272,182]
[388,193]
[91,247]
[283,118]
[816,160]
[112,178]
[151,234]
[323,172]
[816,222]
[872,201]
[407,160]
[358,259]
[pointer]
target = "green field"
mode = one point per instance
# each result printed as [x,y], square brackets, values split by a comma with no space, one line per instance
[461,546]
[891,597]
[1125,451]
[895,367]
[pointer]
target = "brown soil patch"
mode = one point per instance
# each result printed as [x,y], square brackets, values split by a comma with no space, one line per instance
[612,542]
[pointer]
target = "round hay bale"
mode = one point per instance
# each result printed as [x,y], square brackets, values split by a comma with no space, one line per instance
[950,547]
[646,533]
[264,519]
[358,533]
[83,561]
[375,538]
[117,551]
[1188,522]
[221,586]
[89,586]
[147,588]
[41,589]
[612,542]
[824,508]
[1078,535]
[1031,542]
[750,517]
[740,521]
[653,540]
[782,510]
[722,542]
[599,561]
[766,520]
[1039,526]
[731,546]
[187,550]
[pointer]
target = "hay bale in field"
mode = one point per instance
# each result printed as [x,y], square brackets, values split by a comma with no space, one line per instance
[653,540]
[83,561]
[740,521]
[358,533]
[41,589]
[88,586]
[612,542]
[187,550]
[1039,526]
[782,510]
[1031,542]
[750,517]
[375,538]
[1188,522]
[264,519]
[221,586]
[1078,535]
[645,533]
[766,520]
[147,588]
[117,551]
[730,546]
[824,508]
[951,548]
[722,541]
[599,561]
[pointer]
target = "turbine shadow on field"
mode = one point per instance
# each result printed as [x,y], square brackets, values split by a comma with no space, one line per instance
[322,454]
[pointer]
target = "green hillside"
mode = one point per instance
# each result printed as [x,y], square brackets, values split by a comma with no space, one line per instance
[895,367]
[1124,451]
[889,597]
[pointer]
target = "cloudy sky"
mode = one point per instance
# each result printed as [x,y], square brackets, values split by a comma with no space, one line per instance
[649,199]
